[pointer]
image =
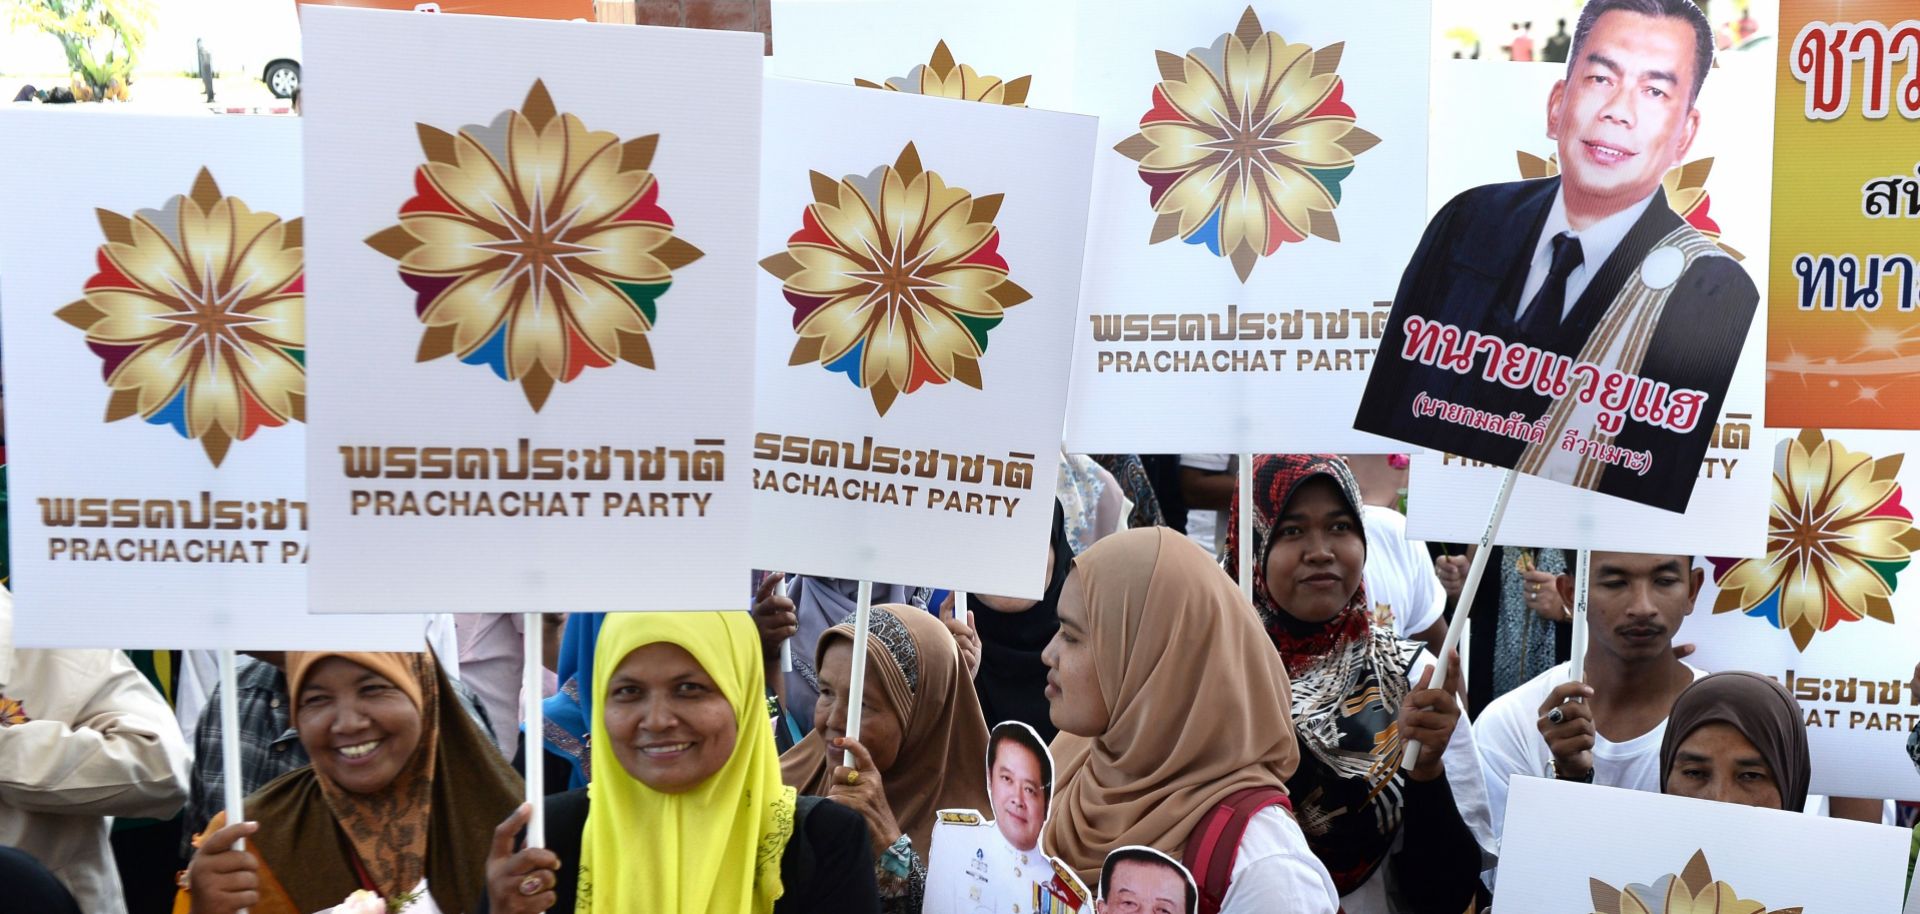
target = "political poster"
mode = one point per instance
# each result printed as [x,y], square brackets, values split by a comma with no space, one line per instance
[1831,610]
[992,861]
[1713,192]
[1846,190]
[155,351]
[919,279]
[1002,52]
[1644,851]
[530,287]
[1259,166]
[1573,310]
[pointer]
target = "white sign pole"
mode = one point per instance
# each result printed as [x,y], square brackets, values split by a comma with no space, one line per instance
[1468,589]
[534,661]
[230,740]
[1244,494]
[1582,570]
[857,686]
[959,606]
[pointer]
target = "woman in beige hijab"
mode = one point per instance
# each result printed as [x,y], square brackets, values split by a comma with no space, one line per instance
[1170,701]
[922,746]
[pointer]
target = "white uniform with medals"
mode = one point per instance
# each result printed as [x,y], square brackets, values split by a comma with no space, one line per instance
[973,870]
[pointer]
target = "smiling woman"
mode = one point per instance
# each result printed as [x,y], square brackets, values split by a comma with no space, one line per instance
[400,800]
[682,747]
[922,742]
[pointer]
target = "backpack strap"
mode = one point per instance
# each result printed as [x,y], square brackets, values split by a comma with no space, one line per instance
[1215,843]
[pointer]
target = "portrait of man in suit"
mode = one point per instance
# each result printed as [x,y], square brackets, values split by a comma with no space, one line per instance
[1574,326]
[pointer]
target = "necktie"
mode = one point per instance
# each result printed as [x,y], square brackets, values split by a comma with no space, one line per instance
[1542,317]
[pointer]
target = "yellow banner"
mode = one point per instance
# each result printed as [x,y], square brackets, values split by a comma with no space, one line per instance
[1843,347]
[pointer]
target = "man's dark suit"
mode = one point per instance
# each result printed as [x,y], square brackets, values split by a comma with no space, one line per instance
[1469,271]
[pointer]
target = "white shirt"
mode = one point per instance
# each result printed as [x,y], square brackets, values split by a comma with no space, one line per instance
[1203,526]
[1597,242]
[1508,738]
[1401,584]
[1276,873]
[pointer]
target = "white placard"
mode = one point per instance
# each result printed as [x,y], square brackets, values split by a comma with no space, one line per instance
[1220,319]
[999,51]
[154,340]
[911,382]
[1572,847]
[1447,497]
[1838,624]
[533,282]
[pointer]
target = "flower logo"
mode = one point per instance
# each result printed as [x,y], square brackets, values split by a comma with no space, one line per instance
[12,712]
[1685,186]
[942,78]
[895,279]
[1838,538]
[1693,891]
[536,247]
[198,315]
[1246,144]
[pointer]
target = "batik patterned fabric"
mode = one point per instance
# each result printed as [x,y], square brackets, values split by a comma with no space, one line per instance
[1349,680]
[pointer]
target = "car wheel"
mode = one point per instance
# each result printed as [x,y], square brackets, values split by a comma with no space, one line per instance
[283,78]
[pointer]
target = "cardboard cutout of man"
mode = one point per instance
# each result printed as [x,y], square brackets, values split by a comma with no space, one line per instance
[1141,880]
[982,866]
[1592,265]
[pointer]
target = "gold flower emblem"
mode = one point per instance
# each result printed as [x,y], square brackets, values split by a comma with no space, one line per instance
[1685,186]
[536,247]
[198,314]
[1693,891]
[12,712]
[941,77]
[895,279]
[1247,144]
[1837,541]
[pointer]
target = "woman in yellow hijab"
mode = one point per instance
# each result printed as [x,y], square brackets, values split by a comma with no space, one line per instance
[687,813]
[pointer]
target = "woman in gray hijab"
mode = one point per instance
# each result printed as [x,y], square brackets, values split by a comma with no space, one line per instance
[1738,738]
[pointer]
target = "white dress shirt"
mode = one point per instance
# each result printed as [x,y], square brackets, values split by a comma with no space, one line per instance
[1597,242]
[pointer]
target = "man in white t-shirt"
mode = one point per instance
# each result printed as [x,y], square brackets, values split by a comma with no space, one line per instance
[1207,485]
[1606,730]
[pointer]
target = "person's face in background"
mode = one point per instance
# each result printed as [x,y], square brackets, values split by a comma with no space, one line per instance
[880,730]
[1635,602]
[670,724]
[1716,762]
[1017,604]
[1624,113]
[1318,553]
[1138,887]
[1074,702]
[357,726]
[1018,788]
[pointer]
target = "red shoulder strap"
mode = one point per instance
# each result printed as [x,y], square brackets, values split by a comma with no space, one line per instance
[1215,843]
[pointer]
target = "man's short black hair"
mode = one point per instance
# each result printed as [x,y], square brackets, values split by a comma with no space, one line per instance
[1017,732]
[1659,9]
[1149,856]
